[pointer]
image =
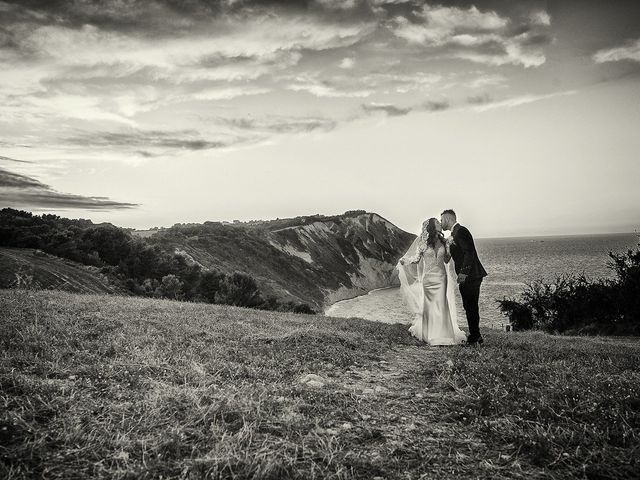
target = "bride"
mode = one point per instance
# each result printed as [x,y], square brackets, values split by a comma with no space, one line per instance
[428,284]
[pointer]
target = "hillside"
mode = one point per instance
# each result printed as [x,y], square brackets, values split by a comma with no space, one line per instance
[30,267]
[317,259]
[96,386]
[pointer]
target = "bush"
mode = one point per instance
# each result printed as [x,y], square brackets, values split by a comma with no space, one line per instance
[170,287]
[576,304]
[209,285]
[304,308]
[240,290]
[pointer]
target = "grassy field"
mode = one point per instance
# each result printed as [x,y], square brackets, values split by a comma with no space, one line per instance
[112,387]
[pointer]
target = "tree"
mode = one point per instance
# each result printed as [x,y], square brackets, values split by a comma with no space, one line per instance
[209,285]
[240,290]
[170,287]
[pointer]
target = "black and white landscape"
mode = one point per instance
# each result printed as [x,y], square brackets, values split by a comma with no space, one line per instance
[203,206]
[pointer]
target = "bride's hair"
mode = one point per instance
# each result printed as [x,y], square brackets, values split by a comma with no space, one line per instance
[432,233]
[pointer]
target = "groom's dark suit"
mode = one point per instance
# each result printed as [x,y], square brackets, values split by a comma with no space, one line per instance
[463,252]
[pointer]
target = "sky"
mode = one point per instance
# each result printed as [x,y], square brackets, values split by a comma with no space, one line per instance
[521,116]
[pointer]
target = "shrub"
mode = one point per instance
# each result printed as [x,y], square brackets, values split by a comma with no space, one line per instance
[579,305]
[240,290]
[304,308]
[170,287]
[209,285]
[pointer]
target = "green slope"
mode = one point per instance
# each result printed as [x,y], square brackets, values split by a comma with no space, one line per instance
[37,269]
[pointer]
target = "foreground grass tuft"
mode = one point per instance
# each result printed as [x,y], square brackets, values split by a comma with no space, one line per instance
[110,387]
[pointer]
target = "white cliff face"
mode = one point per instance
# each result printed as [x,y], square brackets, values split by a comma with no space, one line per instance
[371,274]
[364,248]
[290,250]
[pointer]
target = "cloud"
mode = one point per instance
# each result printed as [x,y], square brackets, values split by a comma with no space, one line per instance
[540,17]
[391,110]
[481,37]
[481,99]
[629,51]
[397,111]
[19,190]
[95,62]
[338,4]
[232,132]
[336,87]
[228,37]
[487,80]
[7,159]
[435,105]
[16,180]
[402,83]
[278,124]
[347,63]
[228,93]
[141,139]
[361,86]
[440,25]
[485,103]
[136,77]
[512,54]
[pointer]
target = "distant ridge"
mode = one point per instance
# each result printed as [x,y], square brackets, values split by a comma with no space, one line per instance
[318,259]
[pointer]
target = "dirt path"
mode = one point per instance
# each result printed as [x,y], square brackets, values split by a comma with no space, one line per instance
[392,375]
[404,406]
[409,383]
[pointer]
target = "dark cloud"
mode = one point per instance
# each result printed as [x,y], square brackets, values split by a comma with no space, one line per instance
[396,111]
[537,39]
[391,110]
[163,17]
[480,99]
[436,105]
[145,154]
[15,180]
[281,124]
[180,140]
[19,190]
[7,159]
[148,17]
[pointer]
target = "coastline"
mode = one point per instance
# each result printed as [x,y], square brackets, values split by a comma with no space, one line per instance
[328,307]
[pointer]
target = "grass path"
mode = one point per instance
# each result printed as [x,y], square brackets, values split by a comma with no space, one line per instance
[98,386]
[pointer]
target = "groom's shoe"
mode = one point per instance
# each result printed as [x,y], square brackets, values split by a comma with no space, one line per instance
[475,340]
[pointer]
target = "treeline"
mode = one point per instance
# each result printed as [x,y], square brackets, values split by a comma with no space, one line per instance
[576,304]
[139,266]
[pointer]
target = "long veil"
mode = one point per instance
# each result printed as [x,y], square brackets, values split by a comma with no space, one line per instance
[411,277]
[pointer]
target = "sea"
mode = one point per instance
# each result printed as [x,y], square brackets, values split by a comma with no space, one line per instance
[511,264]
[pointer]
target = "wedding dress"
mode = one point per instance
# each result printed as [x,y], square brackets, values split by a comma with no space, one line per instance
[428,288]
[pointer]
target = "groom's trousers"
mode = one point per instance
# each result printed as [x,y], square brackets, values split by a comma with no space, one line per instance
[470,293]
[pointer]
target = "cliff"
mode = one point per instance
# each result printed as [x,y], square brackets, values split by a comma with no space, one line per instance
[315,259]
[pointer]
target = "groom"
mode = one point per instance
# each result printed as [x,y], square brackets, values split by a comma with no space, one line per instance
[470,272]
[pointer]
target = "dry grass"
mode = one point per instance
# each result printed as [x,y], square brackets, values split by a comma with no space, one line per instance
[114,387]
